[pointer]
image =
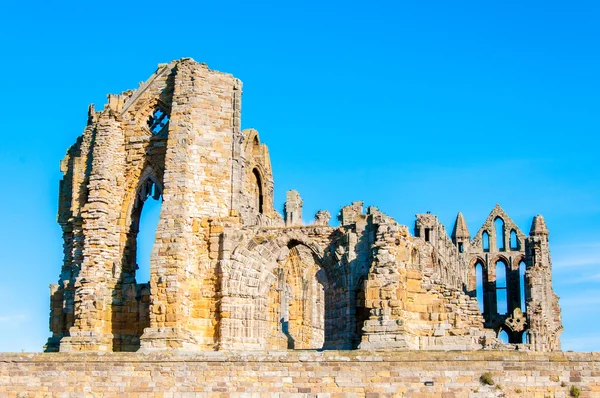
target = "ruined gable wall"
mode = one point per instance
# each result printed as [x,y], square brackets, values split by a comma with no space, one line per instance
[399,374]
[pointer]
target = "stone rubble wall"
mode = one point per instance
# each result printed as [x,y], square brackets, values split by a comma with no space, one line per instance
[300,374]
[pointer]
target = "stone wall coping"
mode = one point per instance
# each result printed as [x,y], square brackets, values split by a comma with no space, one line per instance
[304,356]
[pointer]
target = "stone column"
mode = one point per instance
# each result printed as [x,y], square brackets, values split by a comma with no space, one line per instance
[293,209]
[93,295]
[197,187]
[543,312]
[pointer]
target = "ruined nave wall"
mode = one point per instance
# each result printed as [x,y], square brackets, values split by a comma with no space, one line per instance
[301,374]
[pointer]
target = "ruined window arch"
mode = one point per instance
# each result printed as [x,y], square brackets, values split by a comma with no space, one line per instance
[131,293]
[146,236]
[501,296]
[255,146]
[143,227]
[158,120]
[499,233]
[485,241]
[479,285]
[514,240]
[522,270]
[256,191]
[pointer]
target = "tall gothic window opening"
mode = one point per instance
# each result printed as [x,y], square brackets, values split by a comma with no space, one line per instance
[501,299]
[499,229]
[514,241]
[485,241]
[150,206]
[522,269]
[257,191]
[479,285]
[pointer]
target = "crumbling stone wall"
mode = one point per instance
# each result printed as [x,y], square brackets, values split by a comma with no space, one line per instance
[228,272]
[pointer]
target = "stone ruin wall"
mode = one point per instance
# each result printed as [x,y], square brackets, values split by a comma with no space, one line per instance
[229,273]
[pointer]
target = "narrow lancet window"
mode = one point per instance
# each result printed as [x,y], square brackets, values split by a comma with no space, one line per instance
[257,191]
[148,222]
[522,269]
[485,241]
[501,299]
[479,285]
[499,229]
[514,241]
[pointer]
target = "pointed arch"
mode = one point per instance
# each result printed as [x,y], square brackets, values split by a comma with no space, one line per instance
[514,240]
[478,282]
[248,285]
[154,116]
[143,187]
[257,191]
[131,296]
[485,241]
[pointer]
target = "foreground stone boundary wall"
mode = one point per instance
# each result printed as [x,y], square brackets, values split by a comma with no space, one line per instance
[301,374]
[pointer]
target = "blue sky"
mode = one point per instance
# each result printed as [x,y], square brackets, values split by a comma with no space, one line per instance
[409,106]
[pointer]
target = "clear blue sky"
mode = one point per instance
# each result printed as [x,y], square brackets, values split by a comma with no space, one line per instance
[410,106]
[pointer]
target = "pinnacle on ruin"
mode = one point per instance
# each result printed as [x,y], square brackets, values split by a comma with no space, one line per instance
[460,231]
[538,226]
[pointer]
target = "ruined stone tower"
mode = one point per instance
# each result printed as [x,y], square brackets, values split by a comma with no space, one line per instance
[229,272]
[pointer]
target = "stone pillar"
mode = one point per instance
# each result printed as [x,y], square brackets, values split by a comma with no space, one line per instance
[197,186]
[293,209]
[543,312]
[322,217]
[93,295]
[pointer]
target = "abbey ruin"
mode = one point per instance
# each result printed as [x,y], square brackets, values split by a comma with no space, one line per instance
[228,272]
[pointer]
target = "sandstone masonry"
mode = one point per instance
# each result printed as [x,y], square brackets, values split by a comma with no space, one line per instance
[328,374]
[228,272]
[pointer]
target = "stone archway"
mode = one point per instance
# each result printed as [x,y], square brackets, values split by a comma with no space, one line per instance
[279,292]
[296,302]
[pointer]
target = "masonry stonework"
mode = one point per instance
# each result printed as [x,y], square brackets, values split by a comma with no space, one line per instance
[327,374]
[228,272]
